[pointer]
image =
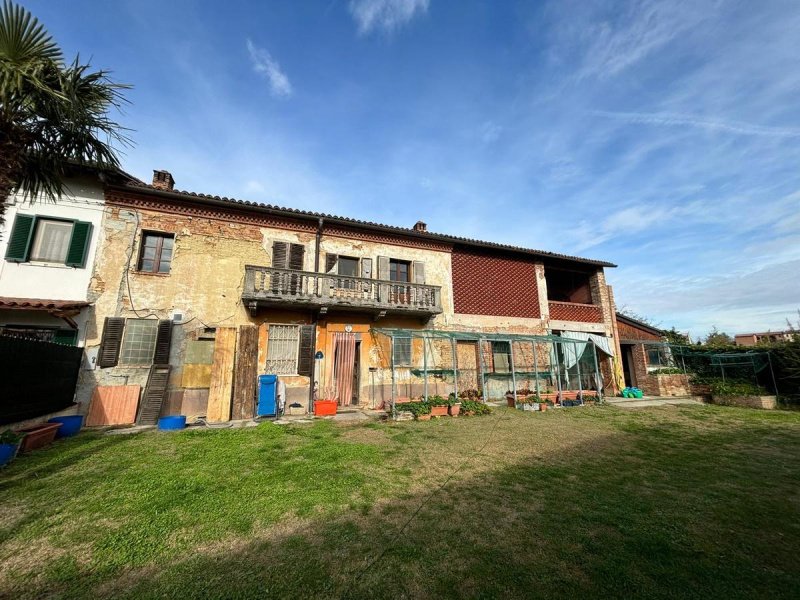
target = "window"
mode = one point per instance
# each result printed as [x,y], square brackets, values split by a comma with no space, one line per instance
[155,255]
[139,342]
[50,240]
[501,357]
[399,270]
[402,352]
[658,357]
[348,266]
[282,350]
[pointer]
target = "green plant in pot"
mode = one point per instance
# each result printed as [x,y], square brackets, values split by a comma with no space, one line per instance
[9,445]
[438,406]
[453,405]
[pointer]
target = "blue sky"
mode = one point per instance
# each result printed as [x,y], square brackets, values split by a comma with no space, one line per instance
[663,136]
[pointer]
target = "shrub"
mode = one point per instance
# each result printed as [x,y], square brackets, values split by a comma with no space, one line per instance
[478,408]
[667,371]
[734,387]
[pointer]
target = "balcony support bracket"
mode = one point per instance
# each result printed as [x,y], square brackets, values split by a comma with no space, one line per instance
[253,308]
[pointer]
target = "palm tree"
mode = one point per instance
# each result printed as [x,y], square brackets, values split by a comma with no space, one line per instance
[52,114]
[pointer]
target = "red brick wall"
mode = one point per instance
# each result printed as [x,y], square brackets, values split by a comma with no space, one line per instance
[567,311]
[487,284]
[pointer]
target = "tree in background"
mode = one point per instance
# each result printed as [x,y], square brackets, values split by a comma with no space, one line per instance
[51,113]
[676,337]
[718,338]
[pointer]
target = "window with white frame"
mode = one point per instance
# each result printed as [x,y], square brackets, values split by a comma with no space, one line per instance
[139,342]
[402,352]
[282,349]
[51,240]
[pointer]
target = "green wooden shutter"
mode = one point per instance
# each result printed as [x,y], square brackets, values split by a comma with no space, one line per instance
[110,345]
[20,241]
[305,358]
[79,244]
[68,337]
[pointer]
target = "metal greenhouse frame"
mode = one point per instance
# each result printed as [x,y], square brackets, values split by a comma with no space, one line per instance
[550,362]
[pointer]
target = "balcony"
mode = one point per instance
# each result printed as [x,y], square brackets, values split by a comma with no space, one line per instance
[572,311]
[285,288]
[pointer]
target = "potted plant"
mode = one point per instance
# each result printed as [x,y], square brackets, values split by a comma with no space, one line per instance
[438,406]
[510,399]
[9,444]
[453,405]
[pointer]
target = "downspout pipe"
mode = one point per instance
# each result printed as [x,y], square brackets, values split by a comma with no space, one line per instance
[315,318]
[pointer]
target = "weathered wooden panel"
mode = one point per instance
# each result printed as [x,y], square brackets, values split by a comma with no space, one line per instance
[221,388]
[195,403]
[196,376]
[199,352]
[244,386]
[113,405]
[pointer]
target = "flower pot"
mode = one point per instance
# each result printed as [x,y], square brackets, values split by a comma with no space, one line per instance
[324,408]
[510,401]
[7,453]
[454,409]
[37,436]
[439,411]
[423,417]
[543,407]
[70,425]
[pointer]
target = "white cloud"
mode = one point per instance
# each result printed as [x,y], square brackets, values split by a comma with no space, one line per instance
[264,64]
[669,119]
[387,15]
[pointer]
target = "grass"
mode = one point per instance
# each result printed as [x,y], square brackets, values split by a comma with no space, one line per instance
[696,501]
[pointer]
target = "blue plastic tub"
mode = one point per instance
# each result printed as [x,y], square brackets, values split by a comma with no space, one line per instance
[7,452]
[172,422]
[70,425]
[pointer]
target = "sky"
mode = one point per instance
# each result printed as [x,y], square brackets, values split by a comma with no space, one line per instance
[662,136]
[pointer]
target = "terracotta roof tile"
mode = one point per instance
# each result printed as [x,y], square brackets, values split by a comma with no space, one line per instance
[40,304]
[357,222]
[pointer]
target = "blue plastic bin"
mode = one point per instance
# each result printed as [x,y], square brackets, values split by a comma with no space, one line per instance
[70,425]
[172,422]
[7,452]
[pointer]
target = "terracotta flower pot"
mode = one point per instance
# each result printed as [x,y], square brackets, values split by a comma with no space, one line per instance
[439,411]
[454,409]
[510,401]
[37,436]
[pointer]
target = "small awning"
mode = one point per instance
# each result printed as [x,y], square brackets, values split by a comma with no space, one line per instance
[51,306]
[601,342]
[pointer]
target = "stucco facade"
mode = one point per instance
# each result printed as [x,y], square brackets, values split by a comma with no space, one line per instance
[223,275]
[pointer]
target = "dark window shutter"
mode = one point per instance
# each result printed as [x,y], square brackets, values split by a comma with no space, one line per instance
[383,268]
[305,359]
[79,244]
[366,268]
[280,255]
[330,262]
[163,339]
[20,241]
[68,337]
[111,342]
[296,254]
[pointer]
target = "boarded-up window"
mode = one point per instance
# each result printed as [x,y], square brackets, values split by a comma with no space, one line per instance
[282,349]
[402,351]
[139,342]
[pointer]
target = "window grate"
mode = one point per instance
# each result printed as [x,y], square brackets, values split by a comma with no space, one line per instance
[282,349]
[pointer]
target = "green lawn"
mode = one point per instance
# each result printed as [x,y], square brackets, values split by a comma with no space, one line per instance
[696,501]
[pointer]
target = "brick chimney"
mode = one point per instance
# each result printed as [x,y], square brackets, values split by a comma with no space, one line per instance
[420,226]
[163,180]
